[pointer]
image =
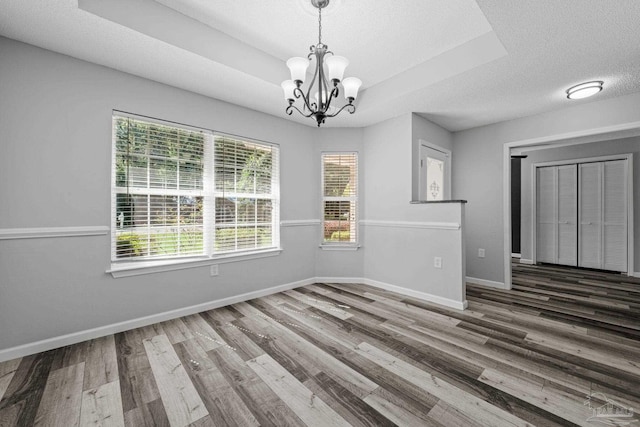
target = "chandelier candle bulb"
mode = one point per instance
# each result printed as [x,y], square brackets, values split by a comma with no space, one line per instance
[325,83]
[298,67]
[351,86]
[288,86]
[336,66]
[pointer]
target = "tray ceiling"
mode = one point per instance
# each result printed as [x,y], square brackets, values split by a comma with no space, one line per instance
[459,63]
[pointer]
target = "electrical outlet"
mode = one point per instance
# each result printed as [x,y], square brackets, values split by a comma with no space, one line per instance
[214,270]
[437,262]
[481,253]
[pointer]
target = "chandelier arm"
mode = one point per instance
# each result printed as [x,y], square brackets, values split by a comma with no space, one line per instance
[313,80]
[292,107]
[312,52]
[297,92]
[334,94]
[350,110]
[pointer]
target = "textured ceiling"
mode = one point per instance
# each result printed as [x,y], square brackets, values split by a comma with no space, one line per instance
[379,40]
[458,63]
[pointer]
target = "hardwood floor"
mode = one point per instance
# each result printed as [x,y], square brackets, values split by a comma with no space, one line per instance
[332,355]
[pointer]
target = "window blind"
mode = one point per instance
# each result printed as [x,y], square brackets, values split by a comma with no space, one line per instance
[246,183]
[340,197]
[180,192]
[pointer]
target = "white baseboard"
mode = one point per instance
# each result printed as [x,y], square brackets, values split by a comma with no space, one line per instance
[483,282]
[76,337]
[526,261]
[458,305]
[636,274]
[513,255]
[345,280]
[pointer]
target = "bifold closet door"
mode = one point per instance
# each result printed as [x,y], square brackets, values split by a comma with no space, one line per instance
[546,214]
[614,213]
[602,233]
[556,215]
[590,226]
[568,215]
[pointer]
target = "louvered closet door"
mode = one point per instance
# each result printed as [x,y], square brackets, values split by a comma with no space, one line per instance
[546,197]
[614,233]
[567,203]
[590,224]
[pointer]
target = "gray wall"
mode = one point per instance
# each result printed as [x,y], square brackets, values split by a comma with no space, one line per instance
[594,149]
[395,254]
[387,170]
[55,135]
[477,169]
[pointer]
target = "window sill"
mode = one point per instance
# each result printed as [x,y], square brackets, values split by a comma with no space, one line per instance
[350,247]
[119,270]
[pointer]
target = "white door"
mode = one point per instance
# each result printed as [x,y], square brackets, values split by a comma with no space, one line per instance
[435,173]
[556,214]
[603,215]
[614,215]
[590,225]
[546,213]
[567,220]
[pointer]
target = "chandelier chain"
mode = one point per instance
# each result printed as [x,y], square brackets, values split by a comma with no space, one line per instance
[319,25]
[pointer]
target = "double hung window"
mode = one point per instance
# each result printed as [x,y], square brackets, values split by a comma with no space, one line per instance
[340,198]
[186,192]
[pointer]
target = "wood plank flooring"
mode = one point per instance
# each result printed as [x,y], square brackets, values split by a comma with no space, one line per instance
[548,352]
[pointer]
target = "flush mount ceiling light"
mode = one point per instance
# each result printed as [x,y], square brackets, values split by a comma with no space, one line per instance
[326,78]
[584,90]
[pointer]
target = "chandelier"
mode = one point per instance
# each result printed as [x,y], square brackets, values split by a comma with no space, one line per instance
[325,80]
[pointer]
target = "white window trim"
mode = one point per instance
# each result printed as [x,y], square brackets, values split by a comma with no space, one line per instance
[138,268]
[132,267]
[339,246]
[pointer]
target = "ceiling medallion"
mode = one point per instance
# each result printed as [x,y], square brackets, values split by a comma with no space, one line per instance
[325,80]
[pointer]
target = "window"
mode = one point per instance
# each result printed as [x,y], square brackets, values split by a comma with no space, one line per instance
[246,192]
[340,198]
[184,192]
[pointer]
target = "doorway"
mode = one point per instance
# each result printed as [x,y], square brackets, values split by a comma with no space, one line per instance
[516,203]
[435,172]
[612,134]
[581,212]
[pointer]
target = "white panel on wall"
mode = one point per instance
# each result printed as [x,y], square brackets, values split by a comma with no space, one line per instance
[567,215]
[589,228]
[435,172]
[546,215]
[614,233]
